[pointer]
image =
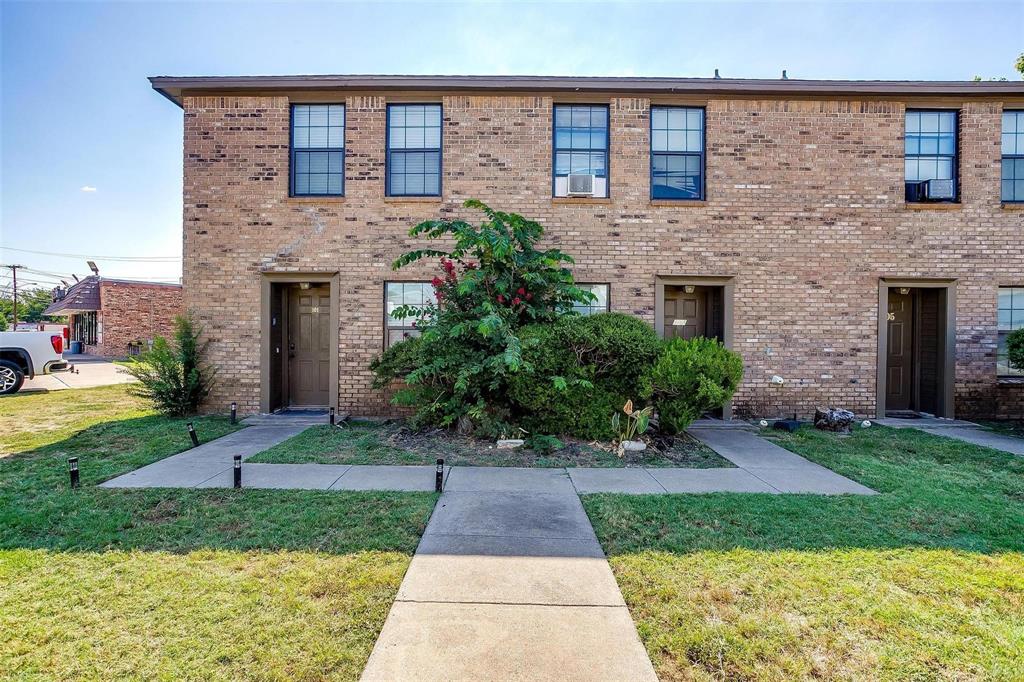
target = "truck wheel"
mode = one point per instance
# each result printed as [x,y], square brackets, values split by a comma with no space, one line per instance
[11,377]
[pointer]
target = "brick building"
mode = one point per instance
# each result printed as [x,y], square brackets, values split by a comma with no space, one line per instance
[860,239]
[114,318]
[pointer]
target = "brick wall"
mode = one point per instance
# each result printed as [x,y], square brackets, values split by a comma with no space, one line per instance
[804,210]
[131,312]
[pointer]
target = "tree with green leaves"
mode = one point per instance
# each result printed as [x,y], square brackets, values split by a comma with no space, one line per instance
[173,374]
[494,280]
[31,304]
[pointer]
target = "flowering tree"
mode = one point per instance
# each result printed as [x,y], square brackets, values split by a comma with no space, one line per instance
[493,281]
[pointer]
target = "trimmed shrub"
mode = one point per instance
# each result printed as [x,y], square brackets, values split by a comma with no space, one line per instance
[1015,349]
[580,371]
[173,374]
[689,378]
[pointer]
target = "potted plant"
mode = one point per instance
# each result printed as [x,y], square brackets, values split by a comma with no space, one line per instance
[636,424]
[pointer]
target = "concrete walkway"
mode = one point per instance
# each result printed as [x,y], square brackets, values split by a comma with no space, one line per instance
[509,582]
[91,371]
[774,466]
[761,467]
[215,459]
[968,432]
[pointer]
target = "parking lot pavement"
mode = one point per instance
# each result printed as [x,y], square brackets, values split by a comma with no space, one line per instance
[90,371]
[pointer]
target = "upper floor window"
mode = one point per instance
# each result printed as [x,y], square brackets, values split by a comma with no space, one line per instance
[1013,156]
[599,305]
[1011,317]
[414,150]
[318,150]
[930,151]
[677,153]
[581,149]
[397,294]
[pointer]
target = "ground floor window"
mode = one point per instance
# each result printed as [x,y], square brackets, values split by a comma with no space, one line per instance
[396,295]
[1011,317]
[598,306]
[84,326]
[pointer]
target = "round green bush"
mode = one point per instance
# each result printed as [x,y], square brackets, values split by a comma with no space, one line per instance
[689,378]
[581,371]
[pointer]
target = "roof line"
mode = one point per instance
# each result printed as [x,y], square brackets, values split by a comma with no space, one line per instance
[173,87]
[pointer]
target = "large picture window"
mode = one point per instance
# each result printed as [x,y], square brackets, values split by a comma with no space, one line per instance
[930,151]
[318,150]
[397,294]
[1013,156]
[581,146]
[677,153]
[597,306]
[414,150]
[1011,317]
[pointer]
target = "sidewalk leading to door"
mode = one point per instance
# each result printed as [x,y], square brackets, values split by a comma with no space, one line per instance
[509,583]
[762,467]
[967,432]
[194,467]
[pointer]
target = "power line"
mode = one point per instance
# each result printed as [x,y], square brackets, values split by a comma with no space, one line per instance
[140,259]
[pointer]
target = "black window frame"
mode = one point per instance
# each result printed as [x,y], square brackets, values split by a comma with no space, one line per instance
[292,150]
[388,151]
[955,156]
[702,153]
[607,300]
[1018,157]
[607,146]
[1000,333]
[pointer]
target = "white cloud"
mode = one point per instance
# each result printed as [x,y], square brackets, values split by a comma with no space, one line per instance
[87,188]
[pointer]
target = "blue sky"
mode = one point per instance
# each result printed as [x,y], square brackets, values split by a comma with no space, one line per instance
[77,111]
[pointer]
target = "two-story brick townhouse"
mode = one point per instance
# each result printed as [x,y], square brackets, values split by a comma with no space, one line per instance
[860,239]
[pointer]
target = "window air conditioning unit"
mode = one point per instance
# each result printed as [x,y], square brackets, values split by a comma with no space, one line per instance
[581,185]
[940,189]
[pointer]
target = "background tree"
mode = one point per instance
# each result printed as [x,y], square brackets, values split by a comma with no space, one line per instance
[31,304]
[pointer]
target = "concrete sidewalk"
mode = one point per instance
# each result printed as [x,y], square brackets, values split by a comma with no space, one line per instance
[509,583]
[968,432]
[761,467]
[774,466]
[215,459]
[92,371]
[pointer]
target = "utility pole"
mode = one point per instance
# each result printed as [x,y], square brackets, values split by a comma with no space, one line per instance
[14,275]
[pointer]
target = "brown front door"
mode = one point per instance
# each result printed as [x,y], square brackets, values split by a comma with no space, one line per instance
[900,356]
[309,344]
[685,314]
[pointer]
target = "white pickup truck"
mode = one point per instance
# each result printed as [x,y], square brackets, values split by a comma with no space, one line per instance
[26,354]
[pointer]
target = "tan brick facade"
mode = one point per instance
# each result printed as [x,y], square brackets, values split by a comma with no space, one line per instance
[804,210]
[134,312]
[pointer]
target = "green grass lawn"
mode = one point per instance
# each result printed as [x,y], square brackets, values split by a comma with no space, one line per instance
[180,584]
[1007,427]
[924,581]
[372,443]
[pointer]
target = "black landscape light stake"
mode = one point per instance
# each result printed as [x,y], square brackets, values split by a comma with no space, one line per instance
[332,416]
[238,471]
[73,471]
[439,476]
[234,412]
[192,435]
